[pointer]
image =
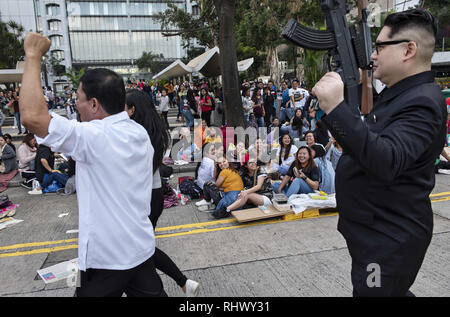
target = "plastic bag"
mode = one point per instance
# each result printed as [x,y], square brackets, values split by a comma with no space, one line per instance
[52,188]
[309,201]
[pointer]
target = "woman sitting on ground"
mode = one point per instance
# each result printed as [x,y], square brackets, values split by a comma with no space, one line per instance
[205,170]
[327,174]
[26,154]
[230,181]
[305,172]
[8,139]
[297,126]
[8,157]
[258,188]
[285,155]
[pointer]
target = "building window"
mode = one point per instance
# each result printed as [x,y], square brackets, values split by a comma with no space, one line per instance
[54,25]
[37,8]
[52,10]
[57,41]
[195,10]
[58,55]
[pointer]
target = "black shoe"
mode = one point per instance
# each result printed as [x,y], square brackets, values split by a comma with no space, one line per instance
[222,213]
[26,185]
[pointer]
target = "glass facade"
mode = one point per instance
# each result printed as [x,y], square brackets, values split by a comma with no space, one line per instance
[52,9]
[57,41]
[118,31]
[54,25]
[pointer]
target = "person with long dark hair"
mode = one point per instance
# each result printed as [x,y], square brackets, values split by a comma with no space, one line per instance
[285,154]
[206,106]
[305,172]
[141,109]
[258,107]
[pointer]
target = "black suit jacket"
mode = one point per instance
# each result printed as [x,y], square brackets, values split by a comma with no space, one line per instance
[386,173]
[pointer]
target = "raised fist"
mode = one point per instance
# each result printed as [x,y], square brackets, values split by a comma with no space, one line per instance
[36,45]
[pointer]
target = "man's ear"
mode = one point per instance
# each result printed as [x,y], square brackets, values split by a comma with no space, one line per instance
[95,105]
[411,50]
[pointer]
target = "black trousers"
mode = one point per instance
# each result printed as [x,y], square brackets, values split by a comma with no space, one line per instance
[141,281]
[362,275]
[211,192]
[162,261]
[206,115]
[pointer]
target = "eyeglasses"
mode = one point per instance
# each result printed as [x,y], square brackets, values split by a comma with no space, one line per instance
[382,44]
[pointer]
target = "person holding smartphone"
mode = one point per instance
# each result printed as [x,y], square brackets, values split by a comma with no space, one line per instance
[304,174]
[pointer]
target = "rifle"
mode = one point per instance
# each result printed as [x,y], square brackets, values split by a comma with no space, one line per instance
[349,47]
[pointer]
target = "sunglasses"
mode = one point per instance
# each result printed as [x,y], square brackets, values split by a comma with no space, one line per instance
[382,44]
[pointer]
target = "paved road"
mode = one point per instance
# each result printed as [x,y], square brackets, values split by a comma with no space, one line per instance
[261,259]
[276,258]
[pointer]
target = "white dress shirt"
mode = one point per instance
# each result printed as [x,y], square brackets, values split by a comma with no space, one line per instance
[114,176]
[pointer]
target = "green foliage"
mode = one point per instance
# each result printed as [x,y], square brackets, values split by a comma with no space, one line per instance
[11,44]
[74,76]
[152,61]
[314,66]
[204,27]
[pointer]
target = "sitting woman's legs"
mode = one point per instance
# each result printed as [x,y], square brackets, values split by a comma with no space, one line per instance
[299,186]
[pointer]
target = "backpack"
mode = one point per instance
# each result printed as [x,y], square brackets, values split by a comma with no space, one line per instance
[188,187]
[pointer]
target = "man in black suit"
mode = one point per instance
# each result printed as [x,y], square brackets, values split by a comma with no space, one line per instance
[385,176]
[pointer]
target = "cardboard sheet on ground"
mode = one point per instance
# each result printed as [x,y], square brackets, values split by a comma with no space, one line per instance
[59,271]
[257,214]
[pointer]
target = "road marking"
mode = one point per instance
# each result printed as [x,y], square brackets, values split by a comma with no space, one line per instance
[36,244]
[201,225]
[440,194]
[37,251]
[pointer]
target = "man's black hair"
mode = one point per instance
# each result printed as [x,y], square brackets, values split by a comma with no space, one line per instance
[107,87]
[414,17]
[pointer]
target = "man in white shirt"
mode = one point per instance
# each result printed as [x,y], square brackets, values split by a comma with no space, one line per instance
[296,95]
[116,238]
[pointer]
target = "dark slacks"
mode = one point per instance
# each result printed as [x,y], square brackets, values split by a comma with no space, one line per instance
[364,255]
[141,281]
[162,261]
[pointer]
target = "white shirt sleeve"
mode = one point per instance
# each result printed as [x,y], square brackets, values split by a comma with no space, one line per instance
[68,136]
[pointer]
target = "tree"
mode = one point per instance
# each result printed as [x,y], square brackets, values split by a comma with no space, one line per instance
[11,44]
[228,63]
[152,61]
[441,10]
[261,22]
[204,27]
[74,76]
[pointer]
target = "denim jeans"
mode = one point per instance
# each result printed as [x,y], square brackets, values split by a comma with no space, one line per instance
[17,116]
[189,118]
[260,122]
[229,198]
[246,120]
[286,114]
[284,169]
[61,179]
[298,186]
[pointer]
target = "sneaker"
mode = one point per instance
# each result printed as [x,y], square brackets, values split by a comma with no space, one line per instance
[222,213]
[202,203]
[12,212]
[207,208]
[35,192]
[192,288]
[26,185]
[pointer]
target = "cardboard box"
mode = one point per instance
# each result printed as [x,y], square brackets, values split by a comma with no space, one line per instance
[282,207]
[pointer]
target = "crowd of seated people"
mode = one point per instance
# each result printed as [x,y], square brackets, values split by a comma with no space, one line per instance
[244,175]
